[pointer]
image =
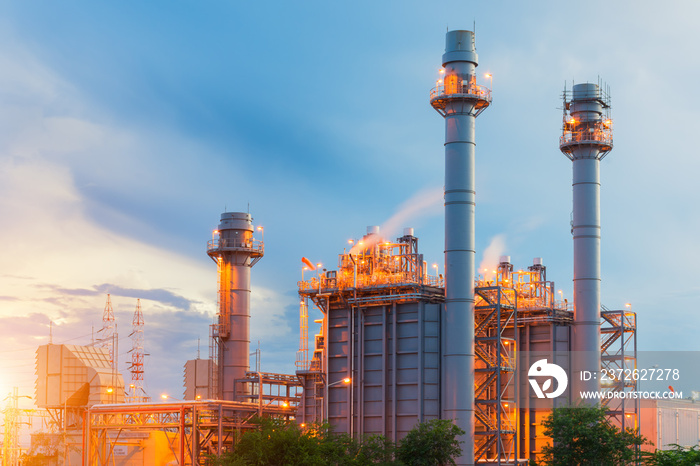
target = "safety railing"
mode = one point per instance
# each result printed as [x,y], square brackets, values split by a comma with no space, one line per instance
[457,90]
[589,135]
[252,245]
[344,281]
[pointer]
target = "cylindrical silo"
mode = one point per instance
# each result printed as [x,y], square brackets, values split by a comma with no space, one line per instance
[459,100]
[586,139]
[235,252]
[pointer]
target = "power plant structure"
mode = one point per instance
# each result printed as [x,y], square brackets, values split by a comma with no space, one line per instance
[397,345]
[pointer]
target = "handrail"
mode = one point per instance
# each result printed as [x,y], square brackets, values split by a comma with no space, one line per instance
[254,244]
[603,135]
[469,89]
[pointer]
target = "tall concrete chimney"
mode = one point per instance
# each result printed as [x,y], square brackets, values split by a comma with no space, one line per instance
[586,139]
[459,100]
[235,252]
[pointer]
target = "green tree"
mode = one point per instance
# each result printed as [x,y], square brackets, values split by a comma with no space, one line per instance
[430,443]
[583,436]
[679,456]
[280,443]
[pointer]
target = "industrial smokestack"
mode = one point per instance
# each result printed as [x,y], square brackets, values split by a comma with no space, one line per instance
[586,139]
[235,252]
[459,100]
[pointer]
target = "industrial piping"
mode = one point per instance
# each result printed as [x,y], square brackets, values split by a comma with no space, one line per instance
[235,252]
[586,139]
[459,100]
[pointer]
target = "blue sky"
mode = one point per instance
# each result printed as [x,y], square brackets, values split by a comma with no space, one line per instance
[126,129]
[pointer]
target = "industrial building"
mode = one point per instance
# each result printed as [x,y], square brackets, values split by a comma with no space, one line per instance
[397,345]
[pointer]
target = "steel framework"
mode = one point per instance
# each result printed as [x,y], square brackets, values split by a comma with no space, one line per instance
[618,333]
[136,391]
[193,428]
[494,375]
[108,331]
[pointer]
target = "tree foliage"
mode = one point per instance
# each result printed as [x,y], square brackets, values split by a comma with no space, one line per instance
[431,443]
[279,443]
[583,436]
[679,456]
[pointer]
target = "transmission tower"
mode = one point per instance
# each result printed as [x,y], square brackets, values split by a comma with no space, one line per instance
[136,391]
[108,331]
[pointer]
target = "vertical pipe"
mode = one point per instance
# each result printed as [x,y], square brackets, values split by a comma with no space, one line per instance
[351,368]
[459,100]
[421,401]
[182,435]
[360,374]
[586,199]
[394,378]
[384,368]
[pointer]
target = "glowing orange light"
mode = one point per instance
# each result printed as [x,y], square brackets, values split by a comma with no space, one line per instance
[572,121]
[302,424]
[350,241]
[285,404]
[628,305]
[164,396]
[110,389]
[628,415]
[198,397]
[442,70]
[505,404]
[130,386]
[260,228]
[347,380]
[488,75]
[216,232]
[319,265]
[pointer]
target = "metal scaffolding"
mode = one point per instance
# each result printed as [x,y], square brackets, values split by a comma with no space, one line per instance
[618,332]
[193,429]
[494,375]
[136,392]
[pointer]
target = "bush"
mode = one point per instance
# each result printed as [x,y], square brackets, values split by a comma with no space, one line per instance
[583,436]
[430,443]
[280,443]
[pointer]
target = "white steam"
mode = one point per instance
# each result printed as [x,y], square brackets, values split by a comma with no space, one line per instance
[424,203]
[491,257]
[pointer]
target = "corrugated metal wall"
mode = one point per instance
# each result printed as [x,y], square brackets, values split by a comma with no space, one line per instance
[395,367]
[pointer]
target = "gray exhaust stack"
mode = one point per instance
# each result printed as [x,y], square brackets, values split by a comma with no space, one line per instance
[586,139]
[235,251]
[459,100]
